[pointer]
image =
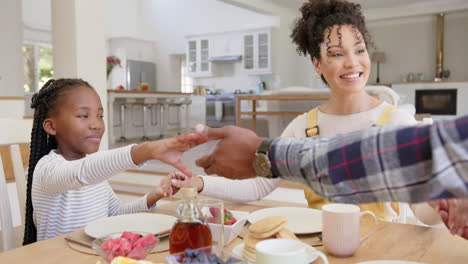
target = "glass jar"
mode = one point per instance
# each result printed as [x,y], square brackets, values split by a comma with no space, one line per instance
[189,231]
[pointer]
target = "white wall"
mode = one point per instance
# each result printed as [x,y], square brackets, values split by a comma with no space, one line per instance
[37,13]
[12,109]
[36,21]
[79,44]
[410,46]
[11,63]
[123,19]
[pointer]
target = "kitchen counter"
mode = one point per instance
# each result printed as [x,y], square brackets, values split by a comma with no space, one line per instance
[146,92]
[273,97]
[143,111]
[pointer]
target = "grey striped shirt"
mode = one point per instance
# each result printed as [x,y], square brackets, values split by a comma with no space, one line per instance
[68,195]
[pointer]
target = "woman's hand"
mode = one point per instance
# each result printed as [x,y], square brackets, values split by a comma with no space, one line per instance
[454,214]
[180,180]
[164,189]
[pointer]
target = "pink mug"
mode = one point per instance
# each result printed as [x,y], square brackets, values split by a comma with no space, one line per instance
[341,228]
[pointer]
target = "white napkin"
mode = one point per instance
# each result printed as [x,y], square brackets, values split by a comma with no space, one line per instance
[218,110]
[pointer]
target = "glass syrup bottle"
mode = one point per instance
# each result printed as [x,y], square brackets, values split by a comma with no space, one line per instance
[189,231]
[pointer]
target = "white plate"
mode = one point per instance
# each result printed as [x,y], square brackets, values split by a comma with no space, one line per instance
[389,262]
[300,220]
[238,251]
[151,223]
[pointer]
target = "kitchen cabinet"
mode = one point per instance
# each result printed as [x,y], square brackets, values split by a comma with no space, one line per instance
[198,53]
[225,45]
[257,52]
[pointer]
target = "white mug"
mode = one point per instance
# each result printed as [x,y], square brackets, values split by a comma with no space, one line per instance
[280,251]
[341,228]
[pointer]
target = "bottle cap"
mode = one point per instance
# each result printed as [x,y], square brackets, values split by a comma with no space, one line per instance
[188,192]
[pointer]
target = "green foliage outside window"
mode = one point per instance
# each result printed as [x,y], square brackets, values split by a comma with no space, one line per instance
[46,70]
[38,66]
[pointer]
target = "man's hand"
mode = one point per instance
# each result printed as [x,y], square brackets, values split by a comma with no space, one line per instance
[233,155]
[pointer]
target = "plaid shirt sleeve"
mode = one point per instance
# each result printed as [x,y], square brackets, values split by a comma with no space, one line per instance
[388,163]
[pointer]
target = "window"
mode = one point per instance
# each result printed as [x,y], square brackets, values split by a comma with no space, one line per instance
[38,68]
[186,82]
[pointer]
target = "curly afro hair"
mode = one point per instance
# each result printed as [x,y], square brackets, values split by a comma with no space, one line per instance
[320,15]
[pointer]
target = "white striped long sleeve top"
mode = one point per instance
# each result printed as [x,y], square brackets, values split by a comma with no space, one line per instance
[68,195]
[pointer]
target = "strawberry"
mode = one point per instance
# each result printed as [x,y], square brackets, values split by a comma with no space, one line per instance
[229,218]
[214,211]
[231,222]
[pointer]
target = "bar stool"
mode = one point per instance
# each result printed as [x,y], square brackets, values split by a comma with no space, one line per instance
[125,103]
[147,104]
[169,126]
[185,111]
[122,105]
[163,104]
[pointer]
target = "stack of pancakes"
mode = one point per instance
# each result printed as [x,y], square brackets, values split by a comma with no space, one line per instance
[267,228]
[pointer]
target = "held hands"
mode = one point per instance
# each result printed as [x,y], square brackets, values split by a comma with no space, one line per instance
[164,189]
[233,155]
[180,180]
[454,214]
[171,184]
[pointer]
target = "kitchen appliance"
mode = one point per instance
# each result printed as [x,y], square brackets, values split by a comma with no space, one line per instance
[232,58]
[220,109]
[436,101]
[141,72]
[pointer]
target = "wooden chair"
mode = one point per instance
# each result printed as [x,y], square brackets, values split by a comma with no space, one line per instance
[14,149]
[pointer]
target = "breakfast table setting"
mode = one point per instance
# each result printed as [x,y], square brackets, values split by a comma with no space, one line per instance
[387,242]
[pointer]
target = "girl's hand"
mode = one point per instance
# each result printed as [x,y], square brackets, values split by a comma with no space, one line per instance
[168,150]
[180,180]
[454,214]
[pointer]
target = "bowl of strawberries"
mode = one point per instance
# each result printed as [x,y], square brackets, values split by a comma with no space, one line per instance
[233,223]
[134,245]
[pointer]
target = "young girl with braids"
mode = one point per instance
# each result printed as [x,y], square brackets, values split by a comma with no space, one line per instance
[334,34]
[67,185]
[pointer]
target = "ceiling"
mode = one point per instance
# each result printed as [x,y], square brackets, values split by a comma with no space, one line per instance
[375,9]
[366,4]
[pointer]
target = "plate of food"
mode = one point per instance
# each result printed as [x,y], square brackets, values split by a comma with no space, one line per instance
[389,262]
[300,220]
[141,222]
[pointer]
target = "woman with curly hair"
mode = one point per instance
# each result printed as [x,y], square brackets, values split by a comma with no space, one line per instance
[334,34]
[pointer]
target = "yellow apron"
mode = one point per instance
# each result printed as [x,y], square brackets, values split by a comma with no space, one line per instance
[316,201]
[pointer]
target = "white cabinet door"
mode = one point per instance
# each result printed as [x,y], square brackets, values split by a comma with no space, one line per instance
[249,56]
[192,56]
[198,53]
[225,45]
[263,55]
[257,53]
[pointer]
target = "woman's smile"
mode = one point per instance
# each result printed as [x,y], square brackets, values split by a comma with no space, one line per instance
[351,76]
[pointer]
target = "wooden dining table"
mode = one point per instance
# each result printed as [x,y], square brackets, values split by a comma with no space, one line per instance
[391,241]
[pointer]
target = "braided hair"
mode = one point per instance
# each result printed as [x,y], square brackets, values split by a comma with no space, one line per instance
[42,143]
[319,17]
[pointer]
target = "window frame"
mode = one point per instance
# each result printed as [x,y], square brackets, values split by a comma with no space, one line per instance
[185,81]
